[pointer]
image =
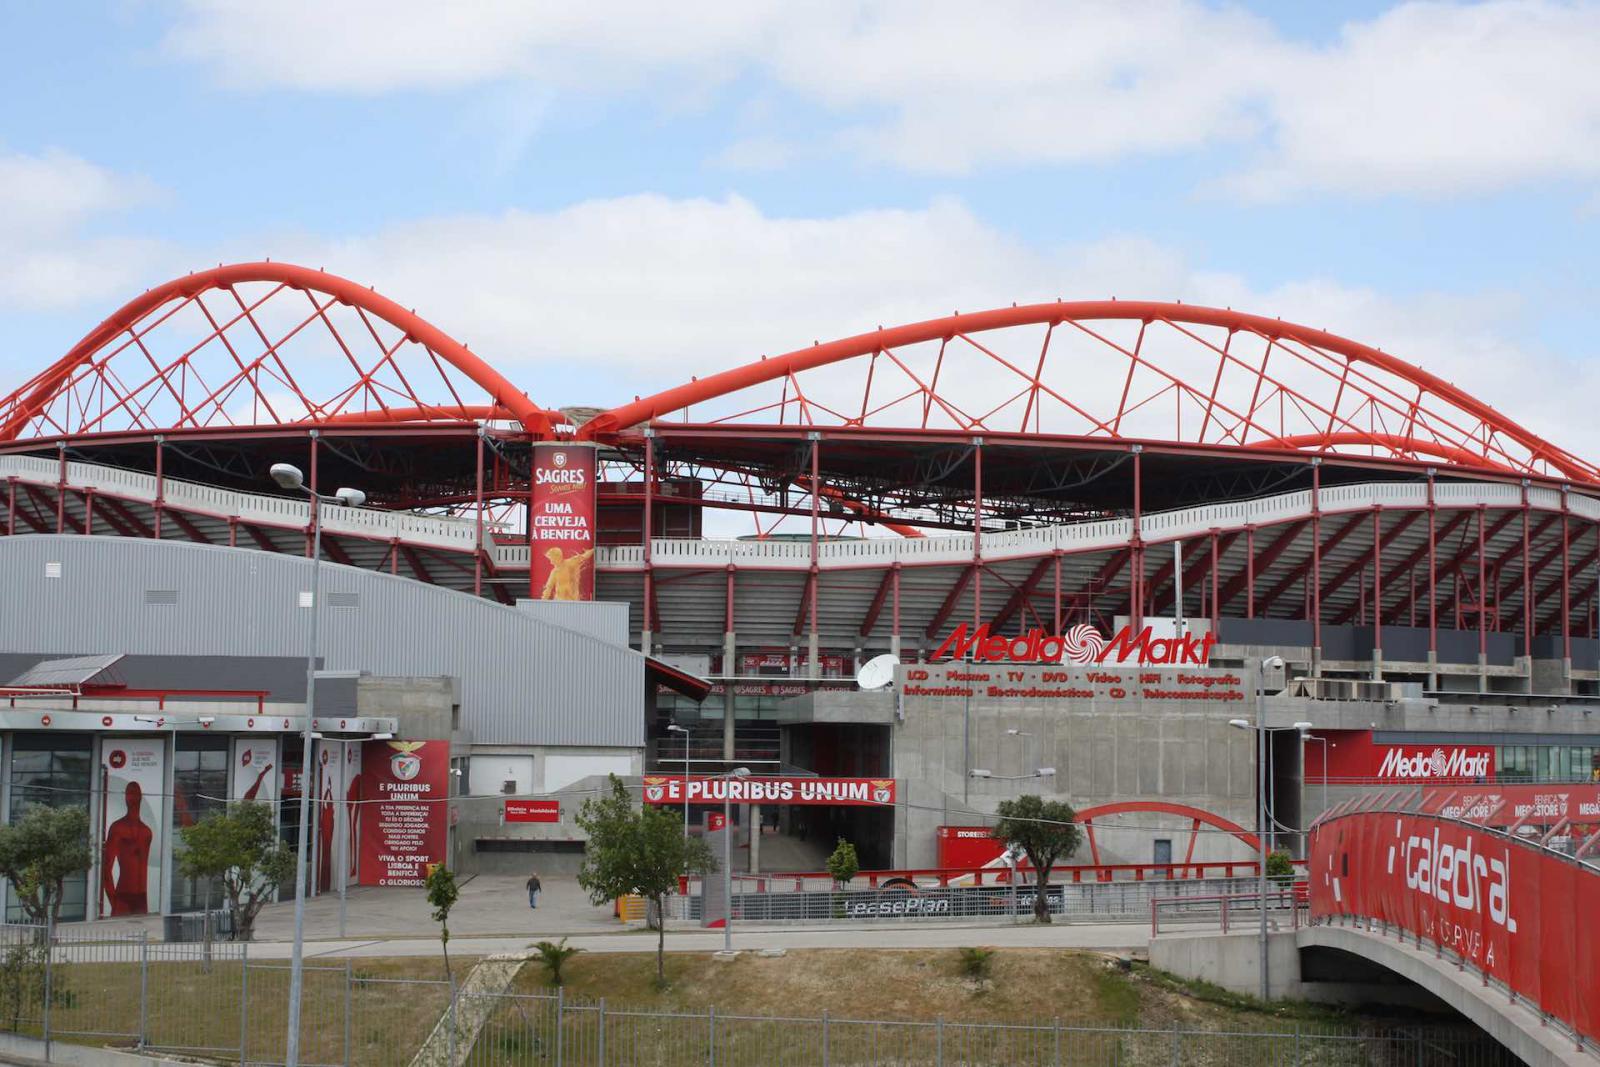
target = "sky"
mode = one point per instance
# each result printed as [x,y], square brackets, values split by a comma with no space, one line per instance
[605,199]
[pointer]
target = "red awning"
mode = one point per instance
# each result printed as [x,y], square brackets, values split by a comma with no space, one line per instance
[657,672]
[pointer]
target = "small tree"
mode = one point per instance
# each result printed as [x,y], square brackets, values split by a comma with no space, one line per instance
[39,853]
[1046,832]
[1280,867]
[637,850]
[442,896]
[240,848]
[553,955]
[842,864]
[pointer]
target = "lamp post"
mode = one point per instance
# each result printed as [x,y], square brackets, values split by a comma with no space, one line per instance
[674,728]
[1260,727]
[727,854]
[288,476]
[1305,735]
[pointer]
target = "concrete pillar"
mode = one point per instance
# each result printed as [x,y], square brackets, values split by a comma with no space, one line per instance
[754,830]
[813,657]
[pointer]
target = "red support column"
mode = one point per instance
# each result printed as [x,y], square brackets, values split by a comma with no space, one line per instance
[316,494]
[1058,592]
[1250,572]
[1566,586]
[1377,594]
[233,532]
[477,507]
[813,661]
[88,511]
[1136,557]
[1216,615]
[61,488]
[1316,566]
[1483,631]
[649,511]
[1433,584]
[894,596]
[160,486]
[977,532]
[11,506]
[1527,589]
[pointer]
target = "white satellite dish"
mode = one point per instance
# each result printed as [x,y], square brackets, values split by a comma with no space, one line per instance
[877,672]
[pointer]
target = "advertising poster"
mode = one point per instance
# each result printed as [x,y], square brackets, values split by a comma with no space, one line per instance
[532,811]
[255,769]
[561,518]
[132,778]
[1353,756]
[338,786]
[405,810]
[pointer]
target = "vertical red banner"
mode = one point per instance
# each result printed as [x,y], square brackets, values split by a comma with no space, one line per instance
[405,810]
[561,519]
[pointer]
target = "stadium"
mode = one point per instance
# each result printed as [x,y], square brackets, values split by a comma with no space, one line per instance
[1092,535]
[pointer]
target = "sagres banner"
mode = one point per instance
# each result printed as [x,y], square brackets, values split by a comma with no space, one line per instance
[561,522]
[859,792]
[1517,912]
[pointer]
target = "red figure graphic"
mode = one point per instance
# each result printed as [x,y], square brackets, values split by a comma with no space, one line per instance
[250,794]
[352,819]
[325,835]
[127,849]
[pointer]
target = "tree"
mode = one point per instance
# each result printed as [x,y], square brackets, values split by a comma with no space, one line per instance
[1280,867]
[40,852]
[634,849]
[442,896]
[240,848]
[1046,832]
[843,864]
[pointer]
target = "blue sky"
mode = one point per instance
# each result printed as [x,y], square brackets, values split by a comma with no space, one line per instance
[747,178]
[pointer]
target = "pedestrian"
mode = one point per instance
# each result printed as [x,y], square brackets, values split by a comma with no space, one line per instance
[533,890]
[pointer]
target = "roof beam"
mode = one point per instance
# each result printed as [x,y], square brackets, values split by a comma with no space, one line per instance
[1359,564]
[1021,594]
[1392,577]
[943,614]
[1268,557]
[1277,591]
[36,495]
[870,620]
[1470,550]
[117,510]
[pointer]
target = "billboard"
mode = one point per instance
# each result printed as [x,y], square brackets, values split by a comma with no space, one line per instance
[1513,911]
[254,761]
[1502,805]
[777,789]
[1352,755]
[405,810]
[561,521]
[132,779]
[532,811]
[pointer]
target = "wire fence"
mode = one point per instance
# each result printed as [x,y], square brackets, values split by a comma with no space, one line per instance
[217,1004]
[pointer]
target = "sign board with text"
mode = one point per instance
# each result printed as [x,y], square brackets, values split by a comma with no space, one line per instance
[561,520]
[1352,755]
[405,817]
[533,811]
[853,792]
[1067,681]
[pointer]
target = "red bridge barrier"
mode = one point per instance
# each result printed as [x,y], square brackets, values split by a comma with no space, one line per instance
[1520,914]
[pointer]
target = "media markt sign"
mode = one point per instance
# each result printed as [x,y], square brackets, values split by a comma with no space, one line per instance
[1082,644]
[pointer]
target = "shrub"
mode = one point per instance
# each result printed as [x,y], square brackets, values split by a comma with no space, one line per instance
[843,865]
[975,963]
[553,955]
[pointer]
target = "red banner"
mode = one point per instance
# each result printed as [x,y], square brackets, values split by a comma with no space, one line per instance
[1352,755]
[854,792]
[533,811]
[561,519]
[1517,912]
[405,816]
[1502,805]
[968,846]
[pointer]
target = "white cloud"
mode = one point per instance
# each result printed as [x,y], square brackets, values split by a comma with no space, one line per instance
[48,259]
[1425,98]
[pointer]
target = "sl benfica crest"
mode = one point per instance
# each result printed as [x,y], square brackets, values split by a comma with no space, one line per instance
[883,790]
[405,764]
[655,789]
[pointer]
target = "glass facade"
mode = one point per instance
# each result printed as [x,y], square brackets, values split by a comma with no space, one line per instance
[54,770]
[199,787]
[1543,763]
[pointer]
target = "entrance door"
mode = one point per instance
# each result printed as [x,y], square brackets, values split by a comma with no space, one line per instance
[1163,850]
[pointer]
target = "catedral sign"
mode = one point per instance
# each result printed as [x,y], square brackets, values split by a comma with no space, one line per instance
[1510,909]
[856,792]
[1082,644]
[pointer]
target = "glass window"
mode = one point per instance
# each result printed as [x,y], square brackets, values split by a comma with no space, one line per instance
[57,771]
[199,787]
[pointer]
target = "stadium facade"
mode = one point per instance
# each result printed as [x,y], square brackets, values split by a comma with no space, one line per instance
[1090,535]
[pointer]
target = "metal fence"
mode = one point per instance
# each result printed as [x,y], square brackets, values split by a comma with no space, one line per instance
[1074,901]
[218,1004]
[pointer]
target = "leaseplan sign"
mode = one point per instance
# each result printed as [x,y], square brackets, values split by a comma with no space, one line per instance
[1081,644]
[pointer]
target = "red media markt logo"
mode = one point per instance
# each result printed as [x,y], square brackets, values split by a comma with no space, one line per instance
[1081,644]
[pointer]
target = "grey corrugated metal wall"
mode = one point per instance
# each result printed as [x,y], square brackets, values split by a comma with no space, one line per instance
[523,680]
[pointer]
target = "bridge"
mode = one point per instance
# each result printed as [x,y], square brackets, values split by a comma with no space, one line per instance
[1493,916]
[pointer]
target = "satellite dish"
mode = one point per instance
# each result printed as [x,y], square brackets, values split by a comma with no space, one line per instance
[877,672]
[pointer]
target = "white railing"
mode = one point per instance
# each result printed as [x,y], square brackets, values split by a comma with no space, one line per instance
[261,509]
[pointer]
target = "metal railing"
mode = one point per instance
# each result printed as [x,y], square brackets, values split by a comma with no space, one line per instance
[1286,907]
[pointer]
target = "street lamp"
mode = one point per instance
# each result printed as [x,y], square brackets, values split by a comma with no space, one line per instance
[674,728]
[740,773]
[288,476]
[1271,663]
[1305,735]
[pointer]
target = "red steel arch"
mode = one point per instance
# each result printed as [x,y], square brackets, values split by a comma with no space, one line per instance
[1340,394]
[168,360]
[1196,816]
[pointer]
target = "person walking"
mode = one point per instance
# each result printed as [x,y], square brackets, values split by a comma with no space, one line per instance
[533,890]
